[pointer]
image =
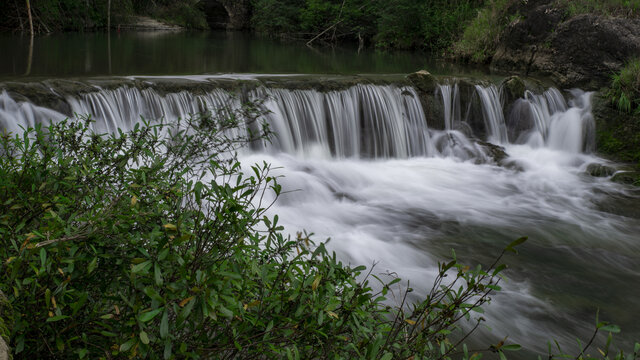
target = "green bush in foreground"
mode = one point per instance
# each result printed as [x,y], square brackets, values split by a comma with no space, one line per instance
[152,244]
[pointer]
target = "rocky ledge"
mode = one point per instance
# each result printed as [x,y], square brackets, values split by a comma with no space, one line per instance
[575,51]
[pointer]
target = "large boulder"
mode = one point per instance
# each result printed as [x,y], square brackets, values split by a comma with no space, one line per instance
[580,51]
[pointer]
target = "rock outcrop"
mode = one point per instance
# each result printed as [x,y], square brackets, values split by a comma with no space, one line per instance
[580,51]
[6,323]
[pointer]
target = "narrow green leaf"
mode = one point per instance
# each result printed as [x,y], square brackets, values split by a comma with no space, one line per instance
[140,267]
[144,337]
[157,274]
[511,247]
[57,318]
[149,315]
[164,324]
[92,265]
[511,347]
[611,328]
[127,345]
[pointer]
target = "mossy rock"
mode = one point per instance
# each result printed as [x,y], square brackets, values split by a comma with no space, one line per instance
[617,133]
[6,324]
[513,87]
[423,81]
[600,170]
[627,177]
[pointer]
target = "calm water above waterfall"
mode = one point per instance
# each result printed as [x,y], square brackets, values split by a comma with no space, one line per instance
[186,53]
[366,167]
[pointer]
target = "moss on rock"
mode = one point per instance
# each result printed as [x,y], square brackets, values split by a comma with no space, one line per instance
[6,324]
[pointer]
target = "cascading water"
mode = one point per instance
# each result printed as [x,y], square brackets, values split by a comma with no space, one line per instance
[492,113]
[451,104]
[362,121]
[415,196]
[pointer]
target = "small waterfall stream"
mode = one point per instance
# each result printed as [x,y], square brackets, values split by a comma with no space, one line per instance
[387,186]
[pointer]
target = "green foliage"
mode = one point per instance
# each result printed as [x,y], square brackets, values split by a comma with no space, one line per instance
[77,15]
[432,25]
[183,13]
[400,24]
[152,243]
[443,21]
[276,17]
[390,24]
[481,36]
[624,92]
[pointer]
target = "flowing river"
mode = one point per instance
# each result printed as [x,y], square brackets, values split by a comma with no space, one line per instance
[364,165]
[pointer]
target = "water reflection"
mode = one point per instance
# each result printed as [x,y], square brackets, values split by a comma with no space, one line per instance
[180,53]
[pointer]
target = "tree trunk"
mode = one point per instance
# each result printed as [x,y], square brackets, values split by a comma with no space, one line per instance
[30,58]
[30,17]
[108,15]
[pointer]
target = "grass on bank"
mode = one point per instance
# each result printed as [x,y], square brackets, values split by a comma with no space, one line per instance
[153,244]
[624,92]
[480,38]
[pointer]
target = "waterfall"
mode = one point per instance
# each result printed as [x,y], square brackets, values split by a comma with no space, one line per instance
[492,113]
[17,115]
[451,102]
[557,125]
[362,121]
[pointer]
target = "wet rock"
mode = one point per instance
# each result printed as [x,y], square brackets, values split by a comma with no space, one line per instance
[617,133]
[600,170]
[627,177]
[423,81]
[426,85]
[495,152]
[513,88]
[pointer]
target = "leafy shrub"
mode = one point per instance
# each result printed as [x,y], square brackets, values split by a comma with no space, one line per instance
[153,244]
[624,92]
[399,24]
[444,21]
[276,17]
